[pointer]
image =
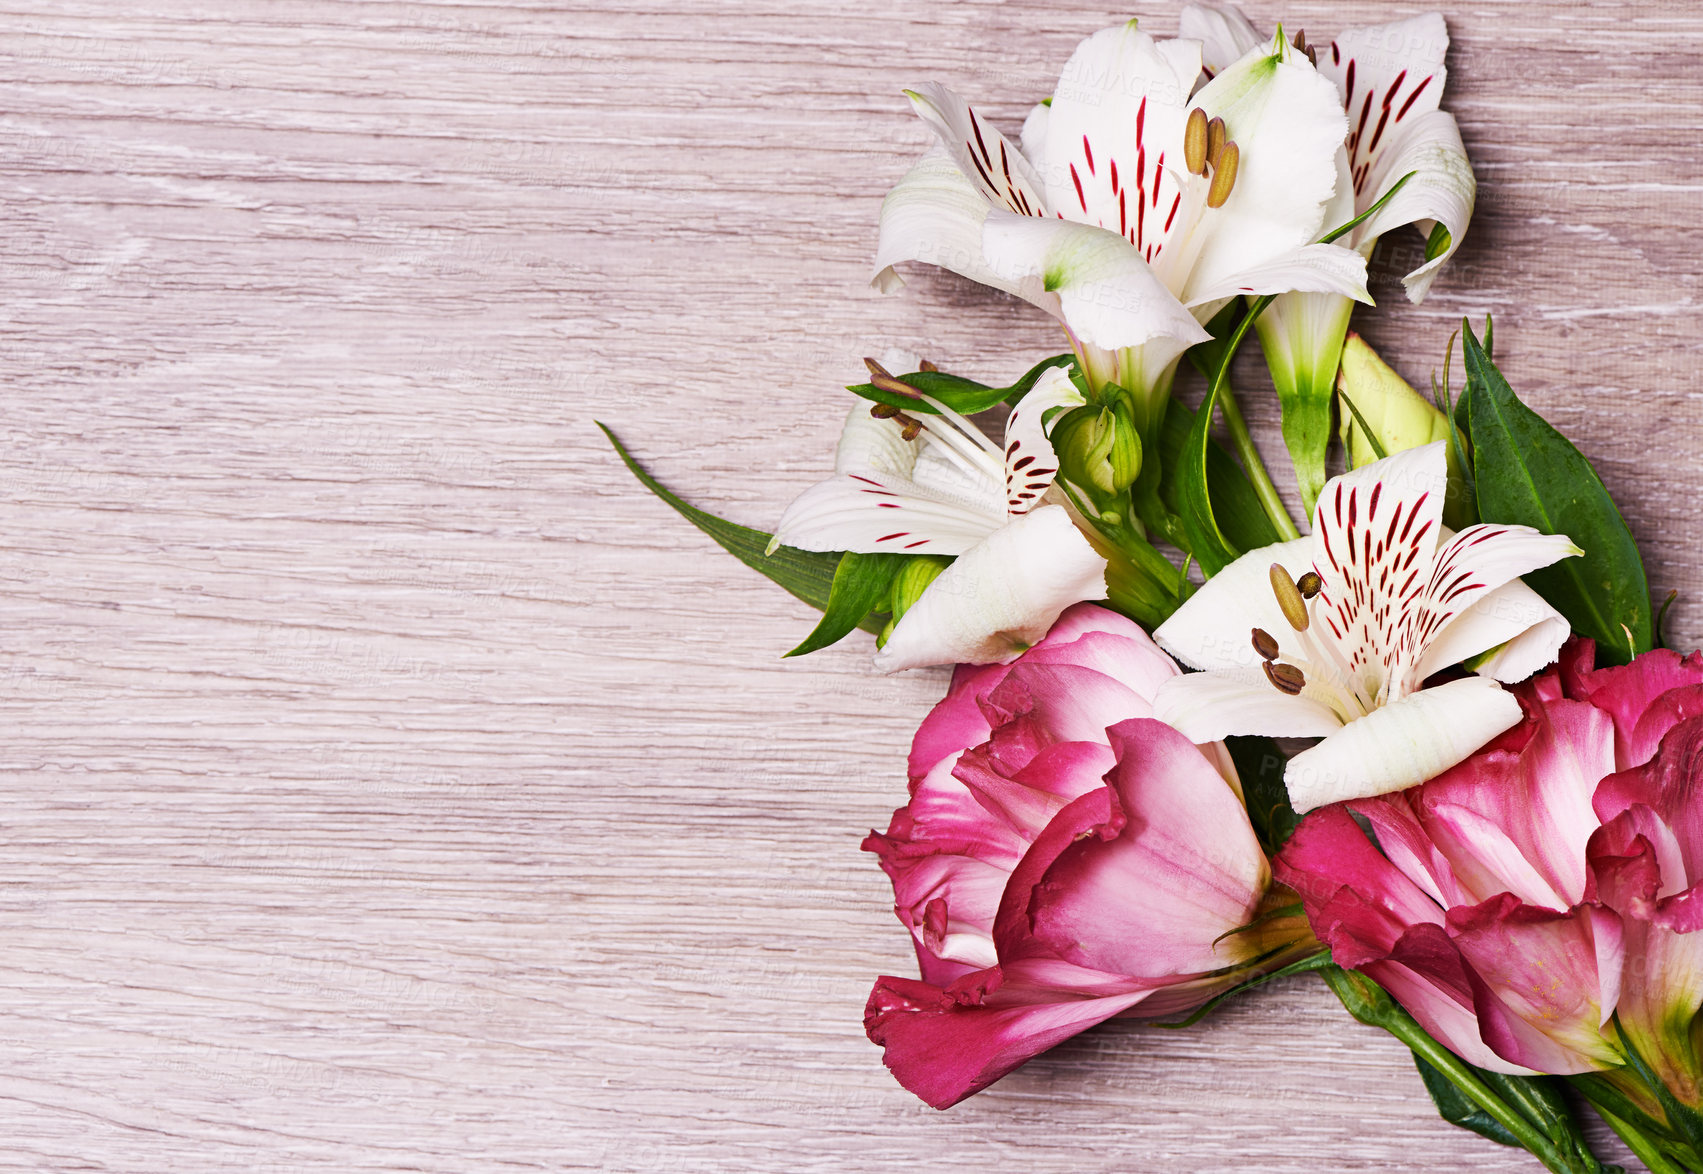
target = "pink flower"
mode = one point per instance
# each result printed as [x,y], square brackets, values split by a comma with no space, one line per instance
[1552,881]
[1064,858]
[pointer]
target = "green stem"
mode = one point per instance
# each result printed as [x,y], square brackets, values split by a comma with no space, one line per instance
[1645,1150]
[1255,467]
[1369,1003]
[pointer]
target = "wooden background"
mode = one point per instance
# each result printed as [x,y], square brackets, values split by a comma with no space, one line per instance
[390,784]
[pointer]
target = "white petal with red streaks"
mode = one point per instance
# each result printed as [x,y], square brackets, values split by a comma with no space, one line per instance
[1521,631]
[1469,567]
[1442,189]
[1375,540]
[935,215]
[1385,75]
[869,511]
[1115,125]
[1002,173]
[1031,465]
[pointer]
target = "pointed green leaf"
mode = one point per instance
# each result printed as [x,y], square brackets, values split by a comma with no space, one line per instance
[1455,1107]
[964,396]
[1211,548]
[808,575]
[1234,502]
[860,586]
[1528,474]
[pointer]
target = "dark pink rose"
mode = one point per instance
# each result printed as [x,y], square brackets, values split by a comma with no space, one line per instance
[1064,858]
[1518,901]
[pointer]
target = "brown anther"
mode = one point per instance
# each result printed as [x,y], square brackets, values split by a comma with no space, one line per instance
[1300,40]
[1216,136]
[1289,598]
[1223,176]
[1195,136]
[911,430]
[1310,584]
[1265,644]
[925,365]
[887,382]
[1286,677]
[874,367]
[883,411]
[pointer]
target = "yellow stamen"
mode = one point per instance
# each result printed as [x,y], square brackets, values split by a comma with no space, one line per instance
[1195,136]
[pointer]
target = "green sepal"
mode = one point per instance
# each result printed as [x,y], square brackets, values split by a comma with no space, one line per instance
[860,587]
[1260,764]
[807,575]
[964,396]
[1682,1119]
[1527,473]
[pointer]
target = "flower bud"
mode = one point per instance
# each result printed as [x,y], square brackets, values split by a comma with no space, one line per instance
[1397,415]
[1099,447]
[912,580]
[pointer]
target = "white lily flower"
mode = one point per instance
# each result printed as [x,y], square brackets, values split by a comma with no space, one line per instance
[1101,221]
[1020,559]
[1396,600]
[1390,80]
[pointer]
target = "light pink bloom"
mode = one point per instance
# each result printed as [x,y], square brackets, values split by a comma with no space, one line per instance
[1064,858]
[1553,880]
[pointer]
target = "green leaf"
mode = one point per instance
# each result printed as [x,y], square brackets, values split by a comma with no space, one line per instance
[861,583]
[964,396]
[1235,504]
[1528,474]
[1260,764]
[1455,1107]
[808,575]
[1211,548]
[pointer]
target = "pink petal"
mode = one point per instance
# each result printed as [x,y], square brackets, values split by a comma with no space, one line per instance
[1671,785]
[1627,692]
[1539,993]
[956,722]
[944,1047]
[1519,823]
[1154,899]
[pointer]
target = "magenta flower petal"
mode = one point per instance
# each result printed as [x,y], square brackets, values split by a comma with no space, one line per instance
[1153,898]
[1538,988]
[944,1048]
[1063,858]
[1627,693]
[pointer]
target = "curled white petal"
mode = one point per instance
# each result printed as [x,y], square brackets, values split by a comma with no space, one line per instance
[999,597]
[1402,744]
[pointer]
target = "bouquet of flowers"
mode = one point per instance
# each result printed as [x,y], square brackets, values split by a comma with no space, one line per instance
[1429,750]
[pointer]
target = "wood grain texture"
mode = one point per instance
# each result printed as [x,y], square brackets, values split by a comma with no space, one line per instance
[391,785]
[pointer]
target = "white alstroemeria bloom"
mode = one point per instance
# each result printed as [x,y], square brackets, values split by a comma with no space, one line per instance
[1397,599]
[1390,79]
[1020,559]
[1099,218]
